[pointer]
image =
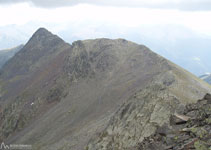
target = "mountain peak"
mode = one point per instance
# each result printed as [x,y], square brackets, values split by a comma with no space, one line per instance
[42,29]
[42,33]
[42,36]
[42,44]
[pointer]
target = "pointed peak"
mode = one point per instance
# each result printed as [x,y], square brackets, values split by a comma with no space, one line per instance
[41,35]
[42,31]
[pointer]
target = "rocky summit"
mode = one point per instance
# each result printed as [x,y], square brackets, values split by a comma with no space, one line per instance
[99,94]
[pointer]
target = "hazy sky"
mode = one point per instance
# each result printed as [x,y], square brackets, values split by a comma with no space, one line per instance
[193,14]
[163,25]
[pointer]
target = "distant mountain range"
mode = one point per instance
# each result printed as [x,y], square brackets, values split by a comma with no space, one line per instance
[99,94]
[206,77]
[6,54]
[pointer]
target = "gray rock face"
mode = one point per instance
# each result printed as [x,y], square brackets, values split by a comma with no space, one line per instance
[141,116]
[188,130]
[78,64]
[137,118]
[93,94]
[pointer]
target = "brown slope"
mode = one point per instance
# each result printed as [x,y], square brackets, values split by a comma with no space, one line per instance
[77,92]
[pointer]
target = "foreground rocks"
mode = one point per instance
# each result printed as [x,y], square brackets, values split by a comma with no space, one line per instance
[191,129]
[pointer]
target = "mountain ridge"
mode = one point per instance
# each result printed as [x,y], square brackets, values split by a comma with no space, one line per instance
[63,92]
[6,54]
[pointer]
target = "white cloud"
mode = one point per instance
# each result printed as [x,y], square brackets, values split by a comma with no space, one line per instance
[95,15]
[164,4]
[196,59]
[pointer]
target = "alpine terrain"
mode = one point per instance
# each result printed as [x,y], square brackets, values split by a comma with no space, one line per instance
[97,94]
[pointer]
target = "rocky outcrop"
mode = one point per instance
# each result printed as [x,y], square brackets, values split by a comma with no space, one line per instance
[77,64]
[136,119]
[141,116]
[147,125]
[191,129]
